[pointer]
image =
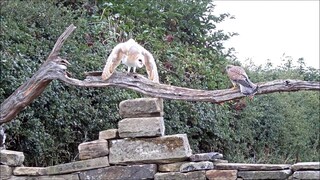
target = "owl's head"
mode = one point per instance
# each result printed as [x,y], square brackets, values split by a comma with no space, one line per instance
[140,61]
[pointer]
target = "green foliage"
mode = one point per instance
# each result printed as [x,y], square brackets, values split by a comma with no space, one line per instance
[188,51]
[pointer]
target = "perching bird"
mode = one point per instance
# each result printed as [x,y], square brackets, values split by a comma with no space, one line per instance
[132,55]
[238,76]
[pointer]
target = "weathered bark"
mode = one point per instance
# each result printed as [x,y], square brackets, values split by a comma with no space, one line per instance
[55,68]
[145,86]
[31,89]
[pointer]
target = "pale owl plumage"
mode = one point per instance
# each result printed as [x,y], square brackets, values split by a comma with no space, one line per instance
[239,77]
[132,55]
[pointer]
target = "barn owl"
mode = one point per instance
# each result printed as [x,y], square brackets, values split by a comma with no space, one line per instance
[238,76]
[132,55]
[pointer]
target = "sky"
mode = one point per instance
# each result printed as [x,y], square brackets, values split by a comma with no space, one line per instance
[268,29]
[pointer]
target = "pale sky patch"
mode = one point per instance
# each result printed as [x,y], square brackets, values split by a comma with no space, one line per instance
[268,29]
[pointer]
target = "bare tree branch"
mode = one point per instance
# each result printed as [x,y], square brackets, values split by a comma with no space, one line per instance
[31,89]
[55,68]
[143,85]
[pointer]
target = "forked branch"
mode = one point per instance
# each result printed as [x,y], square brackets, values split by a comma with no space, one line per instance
[55,68]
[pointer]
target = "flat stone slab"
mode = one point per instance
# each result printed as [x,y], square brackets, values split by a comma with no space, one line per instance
[171,167]
[141,107]
[306,175]
[141,127]
[29,171]
[55,177]
[109,134]
[165,149]
[196,166]
[78,166]
[218,161]
[221,174]
[281,174]
[5,171]
[196,175]
[306,166]
[11,158]
[93,149]
[211,156]
[146,171]
[253,167]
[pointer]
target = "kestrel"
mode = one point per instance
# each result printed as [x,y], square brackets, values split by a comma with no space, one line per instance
[238,76]
[132,55]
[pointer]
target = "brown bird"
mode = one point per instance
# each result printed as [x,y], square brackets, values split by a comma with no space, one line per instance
[132,55]
[238,76]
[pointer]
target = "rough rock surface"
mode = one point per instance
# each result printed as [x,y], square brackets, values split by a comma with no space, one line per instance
[29,171]
[281,174]
[11,158]
[196,175]
[306,166]
[146,171]
[141,127]
[171,167]
[306,175]
[78,166]
[141,107]
[56,177]
[165,149]
[253,167]
[5,171]
[196,166]
[221,174]
[93,149]
[109,134]
[211,156]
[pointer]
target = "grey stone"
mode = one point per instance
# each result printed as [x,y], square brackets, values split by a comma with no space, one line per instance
[78,166]
[306,175]
[254,167]
[93,149]
[281,174]
[29,171]
[141,107]
[109,134]
[171,167]
[218,161]
[5,172]
[211,156]
[306,166]
[56,177]
[221,174]
[165,149]
[11,158]
[196,166]
[146,171]
[141,127]
[196,175]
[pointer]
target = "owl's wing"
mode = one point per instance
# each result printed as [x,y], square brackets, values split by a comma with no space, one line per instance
[151,66]
[113,61]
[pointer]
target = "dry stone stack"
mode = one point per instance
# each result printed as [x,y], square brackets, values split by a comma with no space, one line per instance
[139,149]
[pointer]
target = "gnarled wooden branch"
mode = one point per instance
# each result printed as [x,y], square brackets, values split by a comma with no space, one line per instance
[31,89]
[55,68]
[145,86]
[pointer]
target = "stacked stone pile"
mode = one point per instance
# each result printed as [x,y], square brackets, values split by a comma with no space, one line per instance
[139,149]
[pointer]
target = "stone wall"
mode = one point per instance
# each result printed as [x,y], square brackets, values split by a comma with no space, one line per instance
[139,149]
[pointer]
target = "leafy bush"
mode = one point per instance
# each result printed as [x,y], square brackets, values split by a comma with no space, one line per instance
[188,51]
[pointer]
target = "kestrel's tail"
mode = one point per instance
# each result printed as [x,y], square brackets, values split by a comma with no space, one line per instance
[248,88]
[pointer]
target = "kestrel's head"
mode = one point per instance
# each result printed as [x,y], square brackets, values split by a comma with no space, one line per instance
[228,67]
